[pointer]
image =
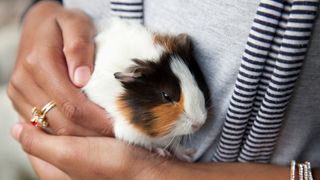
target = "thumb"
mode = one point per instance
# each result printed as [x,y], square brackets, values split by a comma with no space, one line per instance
[78,34]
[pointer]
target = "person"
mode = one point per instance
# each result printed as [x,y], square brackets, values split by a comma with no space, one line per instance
[56,58]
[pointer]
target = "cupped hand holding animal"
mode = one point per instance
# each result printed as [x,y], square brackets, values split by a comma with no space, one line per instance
[70,157]
[55,59]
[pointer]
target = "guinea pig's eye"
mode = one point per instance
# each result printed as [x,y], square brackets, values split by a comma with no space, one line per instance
[166,97]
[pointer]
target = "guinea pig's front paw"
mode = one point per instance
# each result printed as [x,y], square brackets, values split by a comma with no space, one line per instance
[185,154]
[161,151]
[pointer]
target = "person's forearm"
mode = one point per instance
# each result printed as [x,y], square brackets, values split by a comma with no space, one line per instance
[221,171]
[230,171]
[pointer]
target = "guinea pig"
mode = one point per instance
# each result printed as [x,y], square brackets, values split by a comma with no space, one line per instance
[151,86]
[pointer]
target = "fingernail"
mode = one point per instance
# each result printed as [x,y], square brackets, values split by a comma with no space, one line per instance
[16,131]
[81,76]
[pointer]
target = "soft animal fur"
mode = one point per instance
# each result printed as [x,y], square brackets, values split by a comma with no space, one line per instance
[149,83]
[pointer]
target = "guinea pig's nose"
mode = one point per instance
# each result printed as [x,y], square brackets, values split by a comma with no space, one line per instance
[196,126]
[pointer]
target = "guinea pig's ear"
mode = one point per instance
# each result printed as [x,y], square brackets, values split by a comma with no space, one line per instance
[136,72]
[183,41]
[126,77]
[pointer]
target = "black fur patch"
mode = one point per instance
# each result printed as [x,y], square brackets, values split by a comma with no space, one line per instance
[145,92]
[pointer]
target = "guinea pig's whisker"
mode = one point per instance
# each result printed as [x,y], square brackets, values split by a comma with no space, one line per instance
[176,143]
[170,142]
[178,140]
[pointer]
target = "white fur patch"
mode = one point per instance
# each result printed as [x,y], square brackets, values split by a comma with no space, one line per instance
[194,102]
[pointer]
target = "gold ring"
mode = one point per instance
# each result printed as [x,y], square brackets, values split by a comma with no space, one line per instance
[47,108]
[36,114]
[39,116]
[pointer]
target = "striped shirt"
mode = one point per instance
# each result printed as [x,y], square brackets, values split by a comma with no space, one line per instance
[270,66]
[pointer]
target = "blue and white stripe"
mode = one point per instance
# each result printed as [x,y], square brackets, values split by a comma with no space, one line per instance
[131,10]
[270,66]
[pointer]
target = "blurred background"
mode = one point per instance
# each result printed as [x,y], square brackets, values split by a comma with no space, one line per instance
[14,164]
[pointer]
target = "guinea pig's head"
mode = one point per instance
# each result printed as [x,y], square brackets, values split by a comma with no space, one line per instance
[162,97]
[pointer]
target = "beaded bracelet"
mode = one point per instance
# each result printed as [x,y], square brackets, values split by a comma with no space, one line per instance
[304,170]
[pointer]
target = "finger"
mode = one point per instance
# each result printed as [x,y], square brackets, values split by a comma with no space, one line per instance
[78,34]
[47,171]
[80,156]
[33,96]
[35,142]
[18,101]
[67,153]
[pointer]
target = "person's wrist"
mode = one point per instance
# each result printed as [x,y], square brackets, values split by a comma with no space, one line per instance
[154,167]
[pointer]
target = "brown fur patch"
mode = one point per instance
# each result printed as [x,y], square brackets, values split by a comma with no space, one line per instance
[127,112]
[166,116]
[124,109]
[167,41]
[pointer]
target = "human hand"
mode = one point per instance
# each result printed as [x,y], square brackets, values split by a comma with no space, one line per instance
[56,44]
[86,157]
